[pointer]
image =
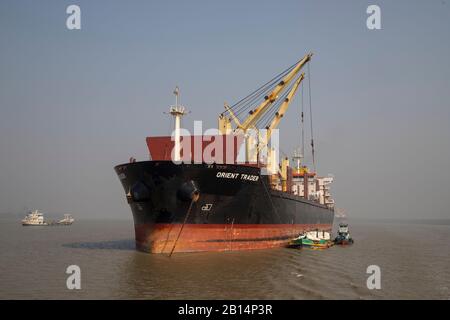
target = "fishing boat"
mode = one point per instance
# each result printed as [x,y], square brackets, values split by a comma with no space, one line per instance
[312,239]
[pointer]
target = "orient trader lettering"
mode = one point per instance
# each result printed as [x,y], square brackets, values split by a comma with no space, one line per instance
[242,176]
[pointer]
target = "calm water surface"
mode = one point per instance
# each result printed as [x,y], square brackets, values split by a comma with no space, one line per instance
[414,261]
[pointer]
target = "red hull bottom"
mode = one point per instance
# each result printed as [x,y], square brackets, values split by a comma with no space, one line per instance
[161,238]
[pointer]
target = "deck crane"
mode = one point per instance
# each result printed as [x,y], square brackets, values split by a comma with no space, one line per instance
[277,116]
[283,108]
[258,112]
[264,110]
[273,125]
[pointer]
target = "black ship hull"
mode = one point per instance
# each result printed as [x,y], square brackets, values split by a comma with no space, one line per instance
[202,207]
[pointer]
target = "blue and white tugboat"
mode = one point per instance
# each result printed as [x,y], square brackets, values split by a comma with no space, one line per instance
[343,237]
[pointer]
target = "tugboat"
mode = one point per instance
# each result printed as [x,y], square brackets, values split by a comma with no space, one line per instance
[343,237]
[34,218]
[68,220]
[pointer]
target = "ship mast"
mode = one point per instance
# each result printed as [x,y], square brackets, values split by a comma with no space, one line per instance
[177,111]
[297,158]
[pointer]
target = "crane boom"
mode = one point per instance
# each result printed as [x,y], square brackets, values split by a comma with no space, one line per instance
[283,107]
[235,119]
[259,111]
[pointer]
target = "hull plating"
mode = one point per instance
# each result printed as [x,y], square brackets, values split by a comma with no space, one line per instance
[235,209]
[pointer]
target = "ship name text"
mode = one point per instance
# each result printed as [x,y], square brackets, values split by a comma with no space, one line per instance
[236,176]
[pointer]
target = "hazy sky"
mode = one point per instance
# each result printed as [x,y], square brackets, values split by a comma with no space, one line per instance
[73,104]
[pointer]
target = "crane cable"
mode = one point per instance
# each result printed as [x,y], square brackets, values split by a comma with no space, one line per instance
[247,102]
[267,118]
[259,96]
[302,124]
[311,118]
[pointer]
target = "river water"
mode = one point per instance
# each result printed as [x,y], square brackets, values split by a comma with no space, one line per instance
[414,260]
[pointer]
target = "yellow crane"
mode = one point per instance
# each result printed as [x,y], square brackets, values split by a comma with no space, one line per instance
[249,123]
[273,125]
[258,112]
[283,107]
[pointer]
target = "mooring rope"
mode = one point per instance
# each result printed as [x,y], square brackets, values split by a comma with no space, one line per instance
[194,199]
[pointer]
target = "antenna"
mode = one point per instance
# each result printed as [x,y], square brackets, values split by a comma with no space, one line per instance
[177,111]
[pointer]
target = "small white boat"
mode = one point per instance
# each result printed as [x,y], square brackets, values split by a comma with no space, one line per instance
[34,218]
[317,235]
[68,219]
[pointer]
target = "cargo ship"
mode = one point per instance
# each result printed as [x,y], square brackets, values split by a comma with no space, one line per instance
[228,190]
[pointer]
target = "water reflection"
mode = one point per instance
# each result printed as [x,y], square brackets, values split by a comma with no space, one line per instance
[125,244]
[225,275]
